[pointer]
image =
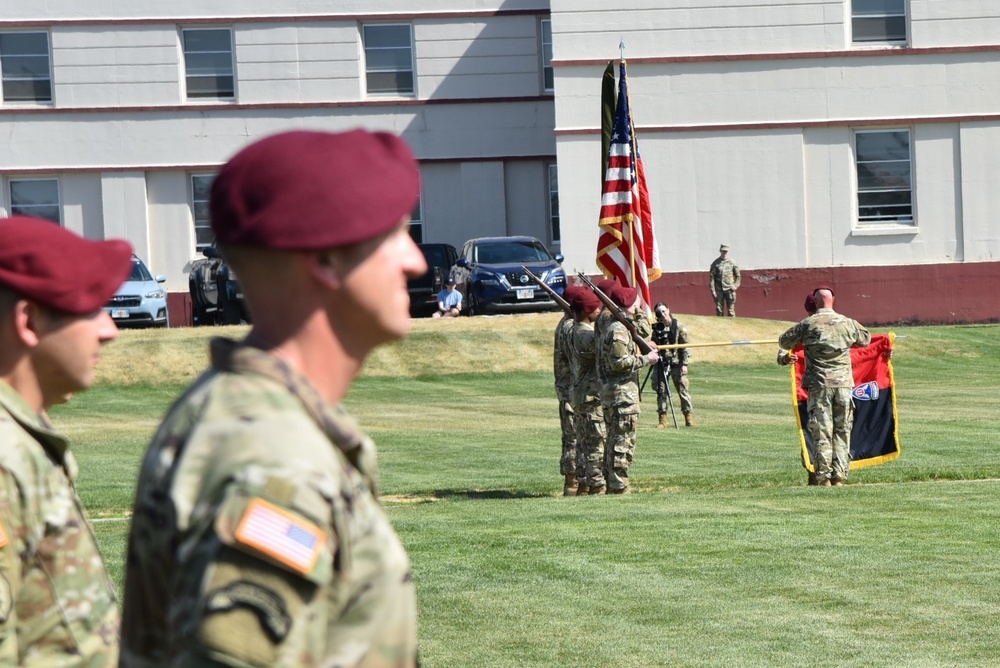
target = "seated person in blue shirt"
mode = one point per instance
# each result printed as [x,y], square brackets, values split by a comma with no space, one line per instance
[449,301]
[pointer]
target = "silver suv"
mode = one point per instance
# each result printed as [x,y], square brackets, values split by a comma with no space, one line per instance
[141,300]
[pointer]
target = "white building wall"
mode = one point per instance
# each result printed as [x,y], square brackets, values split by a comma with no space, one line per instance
[746,117]
[123,139]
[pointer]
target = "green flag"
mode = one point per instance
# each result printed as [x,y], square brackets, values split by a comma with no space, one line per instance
[608,101]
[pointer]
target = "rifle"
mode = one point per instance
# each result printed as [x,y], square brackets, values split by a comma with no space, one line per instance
[556,297]
[645,346]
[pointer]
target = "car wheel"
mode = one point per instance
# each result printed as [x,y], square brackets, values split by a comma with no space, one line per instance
[473,308]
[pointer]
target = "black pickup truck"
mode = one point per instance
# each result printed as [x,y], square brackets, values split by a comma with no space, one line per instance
[424,289]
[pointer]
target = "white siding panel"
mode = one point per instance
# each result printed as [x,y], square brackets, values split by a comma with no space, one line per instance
[527,192]
[171,227]
[980,172]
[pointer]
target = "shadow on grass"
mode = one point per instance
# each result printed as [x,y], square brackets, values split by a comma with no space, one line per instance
[487,494]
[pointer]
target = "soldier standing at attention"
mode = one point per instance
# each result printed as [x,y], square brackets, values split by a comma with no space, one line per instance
[564,386]
[724,281]
[57,604]
[621,361]
[591,432]
[257,537]
[827,338]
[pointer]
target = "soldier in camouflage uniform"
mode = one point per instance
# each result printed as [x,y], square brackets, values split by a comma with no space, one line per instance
[620,363]
[563,381]
[827,338]
[257,537]
[586,395]
[669,331]
[724,281]
[57,603]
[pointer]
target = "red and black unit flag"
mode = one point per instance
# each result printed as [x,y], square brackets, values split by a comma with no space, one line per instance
[875,435]
[626,247]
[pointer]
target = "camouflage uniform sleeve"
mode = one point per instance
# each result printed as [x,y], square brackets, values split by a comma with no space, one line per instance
[623,357]
[736,276]
[713,270]
[794,336]
[642,325]
[864,336]
[683,354]
[10,566]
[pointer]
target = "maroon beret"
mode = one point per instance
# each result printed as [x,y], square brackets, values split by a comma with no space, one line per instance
[585,301]
[623,296]
[810,304]
[569,291]
[48,264]
[823,287]
[607,285]
[307,190]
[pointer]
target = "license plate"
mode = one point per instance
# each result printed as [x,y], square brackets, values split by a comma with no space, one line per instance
[119,313]
[526,294]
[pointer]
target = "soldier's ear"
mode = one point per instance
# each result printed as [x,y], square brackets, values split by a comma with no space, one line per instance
[326,267]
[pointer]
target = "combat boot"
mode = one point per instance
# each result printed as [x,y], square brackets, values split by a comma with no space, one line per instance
[570,486]
[663,421]
[688,420]
[597,489]
[582,490]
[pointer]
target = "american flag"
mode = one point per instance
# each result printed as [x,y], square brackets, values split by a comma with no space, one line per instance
[626,247]
[281,535]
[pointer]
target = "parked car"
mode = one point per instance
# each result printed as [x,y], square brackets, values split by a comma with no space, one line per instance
[424,289]
[490,276]
[141,300]
[216,296]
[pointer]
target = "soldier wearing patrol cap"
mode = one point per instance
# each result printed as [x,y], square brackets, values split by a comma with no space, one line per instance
[257,537]
[57,603]
[724,281]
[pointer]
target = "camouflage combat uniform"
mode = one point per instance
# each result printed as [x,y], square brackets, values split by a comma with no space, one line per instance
[724,280]
[676,358]
[257,538]
[620,362]
[57,603]
[561,371]
[591,430]
[827,338]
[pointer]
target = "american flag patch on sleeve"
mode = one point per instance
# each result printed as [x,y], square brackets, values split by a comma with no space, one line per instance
[281,535]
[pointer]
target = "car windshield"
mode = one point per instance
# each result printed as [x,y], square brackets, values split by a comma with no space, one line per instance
[435,257]
[509,252]
[139,272]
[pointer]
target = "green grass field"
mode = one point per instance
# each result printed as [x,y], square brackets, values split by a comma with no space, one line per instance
[723,557]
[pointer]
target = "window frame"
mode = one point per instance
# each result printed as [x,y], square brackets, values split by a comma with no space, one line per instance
[48,61]
[869,221]
[548,74]
[195,201]
[866,16]
[31,209]
[369,71]
[416,226]
[217,96]
[552,179]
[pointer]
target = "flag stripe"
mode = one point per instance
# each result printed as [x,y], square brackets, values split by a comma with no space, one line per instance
[626,247]
[281,535]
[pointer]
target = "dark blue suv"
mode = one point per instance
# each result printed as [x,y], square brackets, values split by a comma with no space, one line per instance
[489,275]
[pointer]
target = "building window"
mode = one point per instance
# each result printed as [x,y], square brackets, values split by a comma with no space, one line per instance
[24,62]
[208,63]
[554,201]
[388,59]
[201,189]
[878,21]
[548,80]
[417,224]
[885,177]
[35,197]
